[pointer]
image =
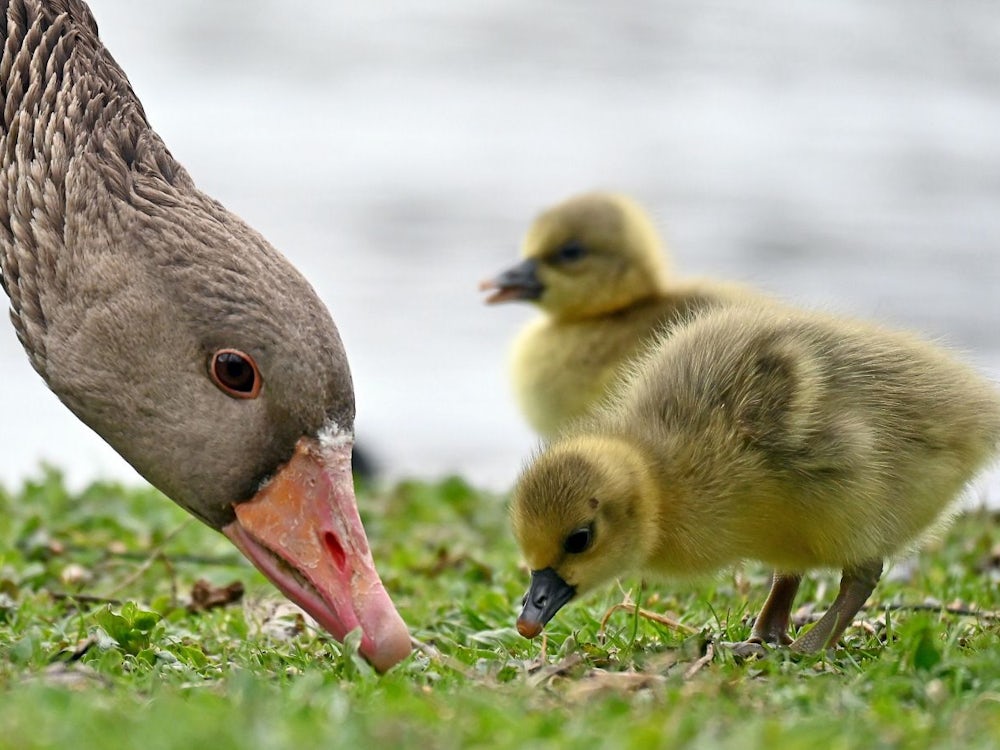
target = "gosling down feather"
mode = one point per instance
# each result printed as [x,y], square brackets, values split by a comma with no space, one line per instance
[594,264]
[173,329]
[757,432]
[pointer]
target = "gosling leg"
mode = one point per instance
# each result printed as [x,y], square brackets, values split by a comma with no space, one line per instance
[856,585]
[771,625]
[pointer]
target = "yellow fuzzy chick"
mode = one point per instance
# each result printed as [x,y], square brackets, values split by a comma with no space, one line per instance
[757,432]
[595,266]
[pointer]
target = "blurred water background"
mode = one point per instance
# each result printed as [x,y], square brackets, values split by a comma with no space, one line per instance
[845,155]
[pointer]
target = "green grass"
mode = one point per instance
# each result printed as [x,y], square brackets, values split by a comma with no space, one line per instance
[144,672]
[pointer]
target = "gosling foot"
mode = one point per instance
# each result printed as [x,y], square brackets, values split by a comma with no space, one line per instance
[748,649]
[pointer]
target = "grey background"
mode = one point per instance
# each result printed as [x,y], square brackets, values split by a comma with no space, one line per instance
[845,155]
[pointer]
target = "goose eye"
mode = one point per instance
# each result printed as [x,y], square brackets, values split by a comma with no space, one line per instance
[235,373]
[569,252]
[579,540]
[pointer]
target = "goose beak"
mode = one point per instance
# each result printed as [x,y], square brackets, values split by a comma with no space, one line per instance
[302,530]
[546,596]
[519,282]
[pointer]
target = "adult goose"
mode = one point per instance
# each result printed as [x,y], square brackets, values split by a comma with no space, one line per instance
[173,329]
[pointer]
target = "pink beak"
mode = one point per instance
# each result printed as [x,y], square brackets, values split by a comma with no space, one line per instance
[302,530]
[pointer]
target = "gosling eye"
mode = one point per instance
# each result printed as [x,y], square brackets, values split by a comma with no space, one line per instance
[235,373]
[568,252]
[580,540]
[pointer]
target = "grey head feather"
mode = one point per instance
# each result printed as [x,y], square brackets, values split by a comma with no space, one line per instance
[123,278]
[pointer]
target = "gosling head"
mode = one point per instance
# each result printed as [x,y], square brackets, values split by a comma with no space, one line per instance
[591,255]
[583,515]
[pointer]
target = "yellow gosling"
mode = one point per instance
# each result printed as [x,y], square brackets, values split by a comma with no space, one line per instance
[595,266]
[757,432]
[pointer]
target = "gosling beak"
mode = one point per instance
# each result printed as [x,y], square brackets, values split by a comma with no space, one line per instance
[302,530]
[546,596]
[519,282]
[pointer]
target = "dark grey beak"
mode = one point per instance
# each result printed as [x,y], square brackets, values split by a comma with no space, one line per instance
[519,282]
[546,596]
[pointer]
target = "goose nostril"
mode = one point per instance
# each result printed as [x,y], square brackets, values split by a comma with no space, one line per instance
[335,549]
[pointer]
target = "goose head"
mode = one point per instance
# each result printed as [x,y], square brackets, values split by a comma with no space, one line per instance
[176,331]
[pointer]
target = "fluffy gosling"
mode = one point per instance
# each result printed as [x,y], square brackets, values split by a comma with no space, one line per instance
[757,432]
[595,266]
